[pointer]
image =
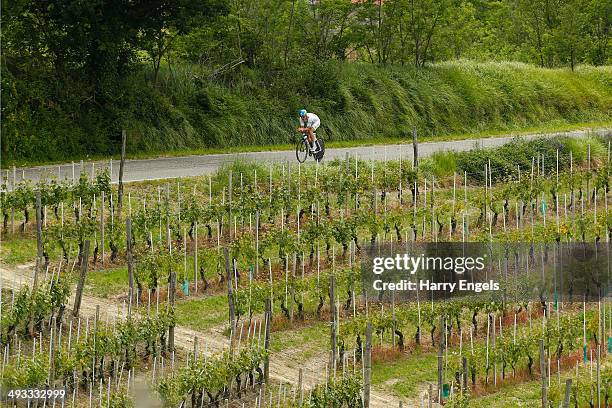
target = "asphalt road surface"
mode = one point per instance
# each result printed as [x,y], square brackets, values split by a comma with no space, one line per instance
[186,166]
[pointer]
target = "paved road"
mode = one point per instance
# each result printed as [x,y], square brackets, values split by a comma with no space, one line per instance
[173,167]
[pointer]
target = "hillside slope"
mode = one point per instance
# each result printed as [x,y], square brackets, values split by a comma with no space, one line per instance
[187,109]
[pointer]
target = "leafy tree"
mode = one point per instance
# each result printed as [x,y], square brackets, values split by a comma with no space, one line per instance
[164,20]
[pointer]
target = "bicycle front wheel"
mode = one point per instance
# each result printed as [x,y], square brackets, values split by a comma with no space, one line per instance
[301,151]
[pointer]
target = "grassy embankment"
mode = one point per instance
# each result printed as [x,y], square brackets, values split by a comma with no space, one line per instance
[358,104]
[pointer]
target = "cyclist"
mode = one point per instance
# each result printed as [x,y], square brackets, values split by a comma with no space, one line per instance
[309,123]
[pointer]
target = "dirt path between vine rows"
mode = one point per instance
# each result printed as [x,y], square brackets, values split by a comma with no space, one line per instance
[284,365]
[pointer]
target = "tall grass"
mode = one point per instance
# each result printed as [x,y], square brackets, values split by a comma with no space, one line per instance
[360,101]
[580,148]
[187,109]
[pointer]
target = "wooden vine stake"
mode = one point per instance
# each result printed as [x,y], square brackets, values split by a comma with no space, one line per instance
[301,387]
[415,148]
[598,344]
[81,283]
[39,243]
[13,209]
[195,260]
[543,372]
[332,320]
[367,366]
[102,224]
[171,297]
[230,290]
[130,264]
[257,243]
[229,211]
[292,287]
[95,340]
[568,391]
[464,375]
[121,167]
[268,321]
[441,357]
[52,341]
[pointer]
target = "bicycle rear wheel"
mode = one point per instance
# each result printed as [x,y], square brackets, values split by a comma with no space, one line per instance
[301,151]
[319,155]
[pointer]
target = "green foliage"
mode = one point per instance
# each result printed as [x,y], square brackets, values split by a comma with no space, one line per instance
[459,400]
[32,307]
[153,267]
[128,340]
[341,393]
[507,159]
[30,374]
[118,399]
[446,98]
[210,376]
[192,74]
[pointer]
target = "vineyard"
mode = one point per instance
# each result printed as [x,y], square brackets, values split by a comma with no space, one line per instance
[244,287]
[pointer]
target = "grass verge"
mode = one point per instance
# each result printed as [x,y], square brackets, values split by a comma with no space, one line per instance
[553,127]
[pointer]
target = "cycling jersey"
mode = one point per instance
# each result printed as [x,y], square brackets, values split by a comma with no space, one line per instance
[313,121]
